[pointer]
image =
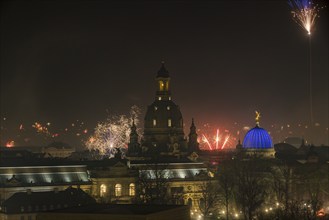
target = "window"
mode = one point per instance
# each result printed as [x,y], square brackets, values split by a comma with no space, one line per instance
[169,97]
[155,108]
[131,189]
[169,122]
[168,108]
[161,84]
[159,98]
[154,122]
[102,190]
[118,190]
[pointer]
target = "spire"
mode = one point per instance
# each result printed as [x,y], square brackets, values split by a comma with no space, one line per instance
[163,72]
[192,128]
[193,144]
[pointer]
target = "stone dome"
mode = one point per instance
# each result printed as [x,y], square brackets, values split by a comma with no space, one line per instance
[162,111]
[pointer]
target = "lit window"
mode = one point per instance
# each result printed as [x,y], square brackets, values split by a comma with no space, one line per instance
[169,97]
[155,108]
[159,98]
[161,85]
[169,122]
[118,190]
[102,190]
[154,122]
[131,189]
[168,107]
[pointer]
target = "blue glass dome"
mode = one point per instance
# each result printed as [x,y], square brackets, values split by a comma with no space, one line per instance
[257,138]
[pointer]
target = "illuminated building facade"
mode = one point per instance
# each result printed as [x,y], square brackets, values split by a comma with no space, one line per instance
[113,182]
[42,178]
[184,178]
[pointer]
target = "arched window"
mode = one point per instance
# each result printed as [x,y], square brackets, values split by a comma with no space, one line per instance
[118,190]
[169,122]
[131,189]
[154,122]
[102,190]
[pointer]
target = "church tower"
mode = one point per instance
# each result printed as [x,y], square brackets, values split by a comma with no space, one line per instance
[163,122]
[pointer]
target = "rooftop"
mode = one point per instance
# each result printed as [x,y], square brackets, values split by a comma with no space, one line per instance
[126,209]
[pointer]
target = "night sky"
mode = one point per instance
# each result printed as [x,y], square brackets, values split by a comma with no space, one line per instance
[63,61]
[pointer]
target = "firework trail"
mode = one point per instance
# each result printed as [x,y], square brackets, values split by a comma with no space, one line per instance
[226,140]
[305,13]
[217,139]
[205,139]
[113,134]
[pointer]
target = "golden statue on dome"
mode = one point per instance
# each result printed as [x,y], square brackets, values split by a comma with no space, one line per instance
[257,117]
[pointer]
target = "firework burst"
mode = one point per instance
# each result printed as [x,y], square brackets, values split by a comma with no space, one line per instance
[304,13]
[113,134]
[216,142]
